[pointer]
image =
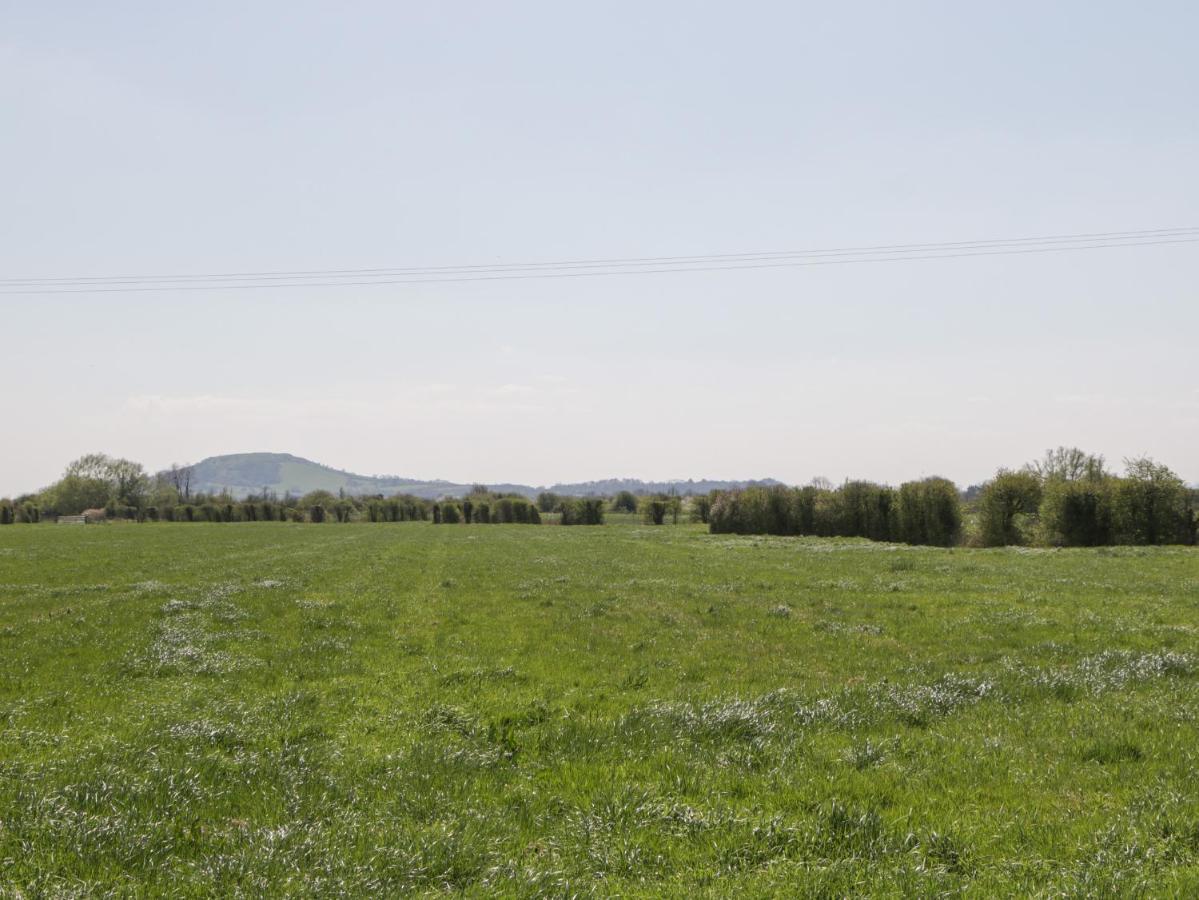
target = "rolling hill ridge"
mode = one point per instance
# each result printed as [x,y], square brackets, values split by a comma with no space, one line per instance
[242,474]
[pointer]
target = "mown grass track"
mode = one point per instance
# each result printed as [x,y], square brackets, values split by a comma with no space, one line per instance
[188,710]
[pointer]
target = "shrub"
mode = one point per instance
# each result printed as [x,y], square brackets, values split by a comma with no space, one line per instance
[583,511]
[514,510]
[1005,505]
[548,501]
[701,508]
[1152,505]
[805,503]
[436,513]
[323,499]
[1077,513]
[928,512]
[925,511]
[483,514]
[729,513]
[503,511]
[316,514]
[406,508]
[451,514]
[864,510]
[654,511]
[7,515]
[467,510]
[626,501]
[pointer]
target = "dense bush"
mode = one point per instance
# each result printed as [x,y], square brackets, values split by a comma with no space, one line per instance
[514,510]
[921,512]
[746,511]
[783,510]
[75,493]
[548,501]
[316,514]
[864,509]
[1007,508]
[451,514]
[928,512]
[406,508]
[626,501]
[654,511]
[701,508]
[1079,504]
[1152,505]
[7,516]
[582,511]
[1077,513]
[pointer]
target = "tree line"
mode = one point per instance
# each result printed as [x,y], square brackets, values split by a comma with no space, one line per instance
[484,507]
[918,512]
[1067,499]
[122,489]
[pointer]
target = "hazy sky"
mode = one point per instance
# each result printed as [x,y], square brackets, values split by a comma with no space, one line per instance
[211,137]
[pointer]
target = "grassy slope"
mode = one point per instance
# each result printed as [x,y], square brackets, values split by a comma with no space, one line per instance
[210,709]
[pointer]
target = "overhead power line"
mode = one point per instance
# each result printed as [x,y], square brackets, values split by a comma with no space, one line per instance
[590,268]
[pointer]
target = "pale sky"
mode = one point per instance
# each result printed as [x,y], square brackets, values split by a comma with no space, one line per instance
[215,137]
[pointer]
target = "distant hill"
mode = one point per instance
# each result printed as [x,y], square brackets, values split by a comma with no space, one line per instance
[249,473]
[609,486]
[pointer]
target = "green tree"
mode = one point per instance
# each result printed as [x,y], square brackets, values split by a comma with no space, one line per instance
[928,512]
[75,493]
[701,508]
[1005,504]
[128,484]
[1078,513]
[1069,464]
[654,511]
[625,501]
[1152,505]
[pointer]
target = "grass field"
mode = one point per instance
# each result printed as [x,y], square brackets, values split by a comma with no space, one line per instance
[393,709]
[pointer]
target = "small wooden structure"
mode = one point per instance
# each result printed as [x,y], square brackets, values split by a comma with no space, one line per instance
[71,520]
[94,515]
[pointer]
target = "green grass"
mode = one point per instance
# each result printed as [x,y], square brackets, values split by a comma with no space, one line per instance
[376,710]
